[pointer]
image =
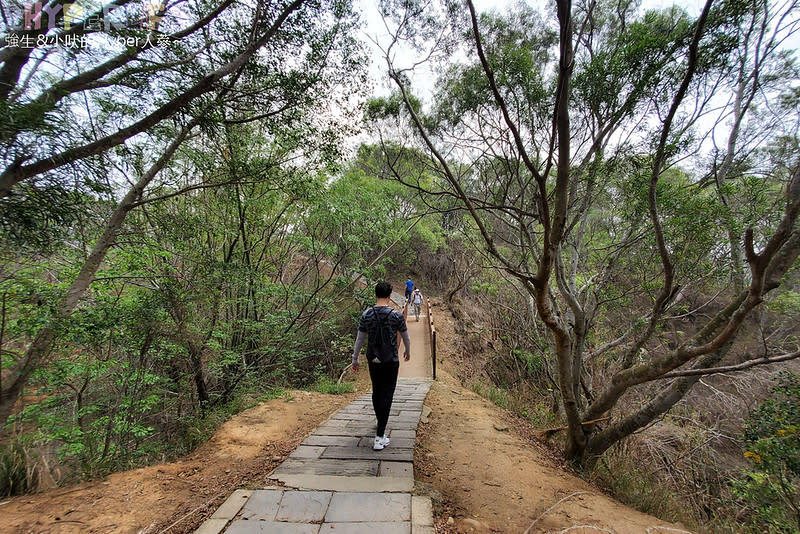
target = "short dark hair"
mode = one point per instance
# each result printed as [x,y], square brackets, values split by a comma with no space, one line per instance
[383,290]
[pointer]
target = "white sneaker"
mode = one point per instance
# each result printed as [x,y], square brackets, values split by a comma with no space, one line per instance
[380,442]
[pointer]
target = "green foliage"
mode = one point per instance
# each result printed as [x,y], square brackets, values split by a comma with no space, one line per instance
[488,288]
[275,392]
[390,107]
[39,215]
[540,415]
[209,300]
[786,303]
[771,488]
[27,297]
[369,219]
[534,362]
[328,386]
[124,389]
[497,395]
[97,413]
[16,477]
[519,46]
[631,62]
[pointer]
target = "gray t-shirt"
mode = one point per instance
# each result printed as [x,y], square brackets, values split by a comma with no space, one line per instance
[392,320]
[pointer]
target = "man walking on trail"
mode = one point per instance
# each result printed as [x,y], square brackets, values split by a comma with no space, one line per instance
[416,302]
[379,325]
[409,289]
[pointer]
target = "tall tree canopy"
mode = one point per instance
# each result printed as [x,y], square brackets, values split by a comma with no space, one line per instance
[561,136]
[105,118]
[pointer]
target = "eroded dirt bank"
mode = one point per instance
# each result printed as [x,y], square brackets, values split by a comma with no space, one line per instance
[176,497]
[493,476]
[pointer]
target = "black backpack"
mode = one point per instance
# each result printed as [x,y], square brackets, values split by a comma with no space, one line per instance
[382,344]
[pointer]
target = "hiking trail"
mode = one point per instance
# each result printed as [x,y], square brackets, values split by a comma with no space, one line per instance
[334,482]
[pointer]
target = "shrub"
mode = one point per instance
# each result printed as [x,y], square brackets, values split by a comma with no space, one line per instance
[15,477]
[329,386]
[496,395]
[771,488]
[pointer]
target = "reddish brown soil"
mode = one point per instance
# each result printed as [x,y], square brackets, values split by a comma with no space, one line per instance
[489,472]
[176,497]
[484,468]
[492,475]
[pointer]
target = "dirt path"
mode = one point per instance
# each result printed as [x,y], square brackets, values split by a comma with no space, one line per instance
[176,497]
[490,474]
[494,479]
[480,464]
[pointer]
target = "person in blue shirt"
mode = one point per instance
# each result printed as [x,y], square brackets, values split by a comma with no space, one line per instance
[409,289]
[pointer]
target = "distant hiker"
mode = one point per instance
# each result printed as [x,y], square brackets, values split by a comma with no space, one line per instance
[379,325]
[409,289]
[416,302]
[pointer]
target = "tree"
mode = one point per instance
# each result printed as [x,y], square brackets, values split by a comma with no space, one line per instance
[535,134]
[267,62]
[759,71]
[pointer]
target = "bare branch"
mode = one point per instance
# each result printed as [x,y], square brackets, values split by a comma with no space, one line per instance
[731,368]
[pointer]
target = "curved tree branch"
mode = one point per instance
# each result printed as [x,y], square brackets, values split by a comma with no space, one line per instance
[731,368]
[15,174]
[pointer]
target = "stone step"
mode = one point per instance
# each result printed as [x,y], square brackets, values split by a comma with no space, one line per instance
[299,511]
[335,483]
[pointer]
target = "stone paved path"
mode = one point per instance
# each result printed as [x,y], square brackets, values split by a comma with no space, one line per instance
[335,483]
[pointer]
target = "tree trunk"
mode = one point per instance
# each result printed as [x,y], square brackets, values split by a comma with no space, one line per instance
[196,358]
[42,344]
[576,439]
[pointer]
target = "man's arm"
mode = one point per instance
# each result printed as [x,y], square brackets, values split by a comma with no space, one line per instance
[360,338]
[406,344]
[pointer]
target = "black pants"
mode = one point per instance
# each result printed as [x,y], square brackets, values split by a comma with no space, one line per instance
[384,380]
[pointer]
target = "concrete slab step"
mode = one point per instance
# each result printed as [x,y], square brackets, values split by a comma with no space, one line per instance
[285,511]
[390,484]
[335,483]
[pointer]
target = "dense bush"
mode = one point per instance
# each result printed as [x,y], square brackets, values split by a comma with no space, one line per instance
[771,488]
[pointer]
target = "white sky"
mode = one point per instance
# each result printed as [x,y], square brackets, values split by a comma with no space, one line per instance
[422,81]
[424,78]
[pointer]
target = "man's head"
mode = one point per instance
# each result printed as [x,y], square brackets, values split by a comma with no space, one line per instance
[383,290]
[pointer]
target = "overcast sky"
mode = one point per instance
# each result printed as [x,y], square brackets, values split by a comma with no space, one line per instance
[424,78]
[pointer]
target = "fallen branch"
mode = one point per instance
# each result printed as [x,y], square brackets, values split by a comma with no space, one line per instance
[571,495]
[585,527]
[188,514]
[548,433]
[344,372]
